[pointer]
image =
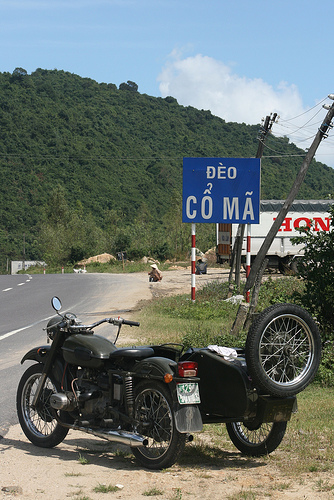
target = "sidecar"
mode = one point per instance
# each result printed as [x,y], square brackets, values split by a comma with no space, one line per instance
[256,421]
[228,394]
[254,393]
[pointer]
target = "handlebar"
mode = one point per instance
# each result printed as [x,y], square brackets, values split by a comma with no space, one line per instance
[114,321]
[130,323]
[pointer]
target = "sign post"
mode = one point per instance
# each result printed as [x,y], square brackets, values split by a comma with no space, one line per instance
[220,190]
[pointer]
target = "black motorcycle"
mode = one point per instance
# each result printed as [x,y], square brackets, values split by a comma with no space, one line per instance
[153,398]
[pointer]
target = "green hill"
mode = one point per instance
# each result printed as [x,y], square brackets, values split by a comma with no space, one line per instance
[87,167]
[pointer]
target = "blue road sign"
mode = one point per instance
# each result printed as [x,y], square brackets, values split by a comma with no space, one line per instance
[221,190]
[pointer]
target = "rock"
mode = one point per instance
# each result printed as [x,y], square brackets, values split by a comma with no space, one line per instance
[13,490]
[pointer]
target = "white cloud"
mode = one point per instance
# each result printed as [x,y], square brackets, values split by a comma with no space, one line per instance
[205,83]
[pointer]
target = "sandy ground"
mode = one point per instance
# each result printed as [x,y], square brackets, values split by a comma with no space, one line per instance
[28,472]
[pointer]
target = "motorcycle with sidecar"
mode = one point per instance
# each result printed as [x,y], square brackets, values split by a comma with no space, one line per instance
[153,398]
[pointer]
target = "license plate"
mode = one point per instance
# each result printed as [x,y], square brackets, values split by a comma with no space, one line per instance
[188,393]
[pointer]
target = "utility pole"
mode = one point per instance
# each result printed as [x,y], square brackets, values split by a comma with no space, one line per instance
[260,257]
[237,248]
[321,134]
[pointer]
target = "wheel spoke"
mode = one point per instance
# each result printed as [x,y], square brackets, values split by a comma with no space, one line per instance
[256,436]
[40,421]
[154,411]
[285,350]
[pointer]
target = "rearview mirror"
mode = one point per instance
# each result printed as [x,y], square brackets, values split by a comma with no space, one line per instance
[56,303]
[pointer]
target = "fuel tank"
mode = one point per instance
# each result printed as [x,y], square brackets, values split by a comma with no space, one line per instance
[87,350]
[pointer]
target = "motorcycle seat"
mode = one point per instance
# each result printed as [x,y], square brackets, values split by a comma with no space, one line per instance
[132,352]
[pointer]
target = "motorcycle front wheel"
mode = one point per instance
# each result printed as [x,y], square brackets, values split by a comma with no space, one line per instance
[258,440]
[283,350]
[153,410]
[39,423]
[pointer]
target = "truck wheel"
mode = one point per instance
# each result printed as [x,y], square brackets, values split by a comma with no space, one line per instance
[256,440]
[153,409]
[283,350]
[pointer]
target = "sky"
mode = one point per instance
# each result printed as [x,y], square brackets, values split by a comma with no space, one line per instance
[240,59]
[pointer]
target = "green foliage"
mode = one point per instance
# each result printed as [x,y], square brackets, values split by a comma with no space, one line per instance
[66,235]
[206,321]
[281,290]
[317,270]
[117,153]
[325,375]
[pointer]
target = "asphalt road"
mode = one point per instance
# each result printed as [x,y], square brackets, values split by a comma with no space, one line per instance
[25,307]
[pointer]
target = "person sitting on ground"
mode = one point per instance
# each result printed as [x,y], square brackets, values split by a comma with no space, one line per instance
[155,273]
[201,267]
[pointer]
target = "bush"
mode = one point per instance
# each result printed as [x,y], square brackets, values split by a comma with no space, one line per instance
[317,271]
[325,375]
[281,290]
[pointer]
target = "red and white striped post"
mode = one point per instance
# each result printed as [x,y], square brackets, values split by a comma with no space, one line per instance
[193,260]
[248,257]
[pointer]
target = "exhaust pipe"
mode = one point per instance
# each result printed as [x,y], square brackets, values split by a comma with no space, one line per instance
[119,436]
[60,401]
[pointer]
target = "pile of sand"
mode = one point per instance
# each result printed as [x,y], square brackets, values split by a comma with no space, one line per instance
[103,258]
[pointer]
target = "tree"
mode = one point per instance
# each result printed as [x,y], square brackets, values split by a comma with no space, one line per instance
[129,85]
[18,74]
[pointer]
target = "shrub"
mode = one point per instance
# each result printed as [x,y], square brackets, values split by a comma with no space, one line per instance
[317,271]
[281,290]
[325,375]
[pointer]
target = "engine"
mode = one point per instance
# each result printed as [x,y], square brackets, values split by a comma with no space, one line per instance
[89,395]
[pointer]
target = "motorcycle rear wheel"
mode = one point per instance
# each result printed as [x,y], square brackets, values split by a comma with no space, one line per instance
[153,409]
[256,441]
[283,350]
[38,424]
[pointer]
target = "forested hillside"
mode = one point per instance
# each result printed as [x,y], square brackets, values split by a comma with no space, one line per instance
[88,167]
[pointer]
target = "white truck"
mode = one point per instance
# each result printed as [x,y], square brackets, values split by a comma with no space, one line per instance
[283,255]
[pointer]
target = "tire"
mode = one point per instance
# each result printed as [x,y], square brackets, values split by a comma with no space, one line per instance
[283,350]
[39,425]
[257,440]
[153,409]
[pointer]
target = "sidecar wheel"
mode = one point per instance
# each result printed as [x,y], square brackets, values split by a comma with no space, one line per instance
[39,425]
[153,409]
[256,441]
[283,350]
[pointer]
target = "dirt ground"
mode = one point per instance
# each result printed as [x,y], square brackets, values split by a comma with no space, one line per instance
[81,464]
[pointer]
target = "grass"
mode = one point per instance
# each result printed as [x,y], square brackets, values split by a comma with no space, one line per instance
[307,446]
[83,460]
[178,319]
[114,266]
[102,488]
[153,492]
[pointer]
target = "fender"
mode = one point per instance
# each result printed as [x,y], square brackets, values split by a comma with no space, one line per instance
[38,354]
[187,417]
[156,367]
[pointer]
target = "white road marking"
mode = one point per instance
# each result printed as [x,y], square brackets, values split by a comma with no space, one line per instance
[7,289]
[9,334]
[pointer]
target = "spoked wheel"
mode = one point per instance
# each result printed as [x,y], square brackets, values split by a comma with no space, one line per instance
[38,424]
[153,410]
[256,440]
[283,350]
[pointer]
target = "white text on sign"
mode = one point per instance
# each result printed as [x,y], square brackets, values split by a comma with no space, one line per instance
[231,208]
